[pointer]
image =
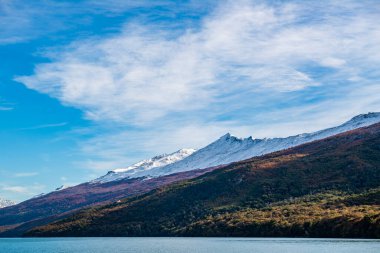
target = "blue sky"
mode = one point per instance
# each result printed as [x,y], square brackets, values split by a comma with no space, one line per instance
[88,86]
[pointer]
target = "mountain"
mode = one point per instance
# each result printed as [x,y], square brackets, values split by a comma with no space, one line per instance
[229,149]
[6,202]
[149,175]
[145,166]
[44,208]
[325,188]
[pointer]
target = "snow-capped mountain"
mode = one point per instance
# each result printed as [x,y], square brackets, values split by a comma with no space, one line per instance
[6,202]
[145,166]
[229,149]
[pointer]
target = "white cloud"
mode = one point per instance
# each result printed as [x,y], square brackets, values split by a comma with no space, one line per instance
[144,74]
[285,64]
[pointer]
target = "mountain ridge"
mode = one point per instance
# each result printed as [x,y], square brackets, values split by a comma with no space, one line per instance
[53,205]
[144,165]
[229,148]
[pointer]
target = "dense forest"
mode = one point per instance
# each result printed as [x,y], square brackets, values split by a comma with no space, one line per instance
[327,188]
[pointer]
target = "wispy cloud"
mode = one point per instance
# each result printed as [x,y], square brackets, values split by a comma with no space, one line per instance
[6,108]
[15,189]
[28,191]
[23,21]
[26,174]
[45,126]
[246,63]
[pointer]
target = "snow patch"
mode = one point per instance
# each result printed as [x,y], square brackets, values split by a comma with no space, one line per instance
[6,203]
[144,166]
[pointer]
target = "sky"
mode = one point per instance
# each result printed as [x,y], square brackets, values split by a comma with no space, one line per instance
[90,86]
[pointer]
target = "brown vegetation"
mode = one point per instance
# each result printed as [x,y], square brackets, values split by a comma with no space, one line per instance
[327,188]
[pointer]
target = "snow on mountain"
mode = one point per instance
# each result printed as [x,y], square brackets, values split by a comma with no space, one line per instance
[62,187]
[144,166]
[39,195]
[229,149]
[6,202]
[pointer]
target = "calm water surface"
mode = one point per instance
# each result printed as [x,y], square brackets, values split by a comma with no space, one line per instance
[187,245]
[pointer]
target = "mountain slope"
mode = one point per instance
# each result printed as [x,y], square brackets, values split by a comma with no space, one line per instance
[15,220]
[232,198]
[229,149]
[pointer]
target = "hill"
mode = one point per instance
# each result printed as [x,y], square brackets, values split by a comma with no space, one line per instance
[324,188]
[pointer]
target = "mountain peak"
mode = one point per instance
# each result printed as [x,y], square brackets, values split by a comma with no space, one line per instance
[140,168]
[362,120]
[232,138]
[225,137]
[366,116]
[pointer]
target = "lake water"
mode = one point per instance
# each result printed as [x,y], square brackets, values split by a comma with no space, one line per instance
[186,245]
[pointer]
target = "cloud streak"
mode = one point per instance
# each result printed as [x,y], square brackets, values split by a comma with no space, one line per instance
[25,21]
[31,190]
[26,174]
[6,108]
[61,124]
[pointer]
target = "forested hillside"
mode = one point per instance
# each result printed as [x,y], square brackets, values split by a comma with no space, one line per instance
[327,188]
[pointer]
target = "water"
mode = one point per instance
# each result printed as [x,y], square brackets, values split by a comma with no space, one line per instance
[186,245]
